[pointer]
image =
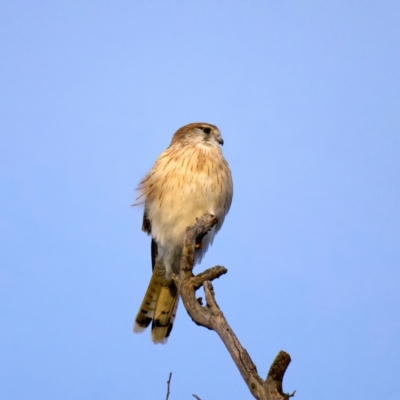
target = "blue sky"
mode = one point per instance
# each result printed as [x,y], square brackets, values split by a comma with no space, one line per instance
[307,97]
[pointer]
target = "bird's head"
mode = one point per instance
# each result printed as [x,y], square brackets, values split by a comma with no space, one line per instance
[198,132]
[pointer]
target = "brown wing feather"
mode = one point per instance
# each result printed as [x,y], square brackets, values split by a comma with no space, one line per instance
[154,253]
[146,226]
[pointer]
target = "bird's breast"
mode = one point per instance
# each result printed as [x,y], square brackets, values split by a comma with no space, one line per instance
[183,186]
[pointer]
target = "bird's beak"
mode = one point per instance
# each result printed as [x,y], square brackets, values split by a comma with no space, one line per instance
[220,140]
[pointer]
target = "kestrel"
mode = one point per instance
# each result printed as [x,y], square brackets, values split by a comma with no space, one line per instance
[190,178]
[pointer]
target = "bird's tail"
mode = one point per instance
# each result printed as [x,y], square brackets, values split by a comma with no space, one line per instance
[159,307]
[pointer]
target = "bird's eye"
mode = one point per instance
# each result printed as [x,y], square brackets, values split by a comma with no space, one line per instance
[207,130]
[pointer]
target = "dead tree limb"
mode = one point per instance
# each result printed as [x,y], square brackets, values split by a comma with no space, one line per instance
[168,384]
[210,316]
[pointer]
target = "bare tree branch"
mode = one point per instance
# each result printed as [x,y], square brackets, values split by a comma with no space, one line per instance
[168,383]
[211,317]
[273,383]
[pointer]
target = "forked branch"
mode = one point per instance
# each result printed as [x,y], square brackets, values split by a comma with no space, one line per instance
[210,316]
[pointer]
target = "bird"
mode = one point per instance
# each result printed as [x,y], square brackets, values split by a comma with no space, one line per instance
[190,178]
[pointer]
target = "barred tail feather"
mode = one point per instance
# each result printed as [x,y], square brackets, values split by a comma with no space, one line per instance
[159,307]
[164,314]
[146,311]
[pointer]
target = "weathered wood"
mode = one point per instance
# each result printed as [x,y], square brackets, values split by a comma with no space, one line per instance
[168,384]
[210,316]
